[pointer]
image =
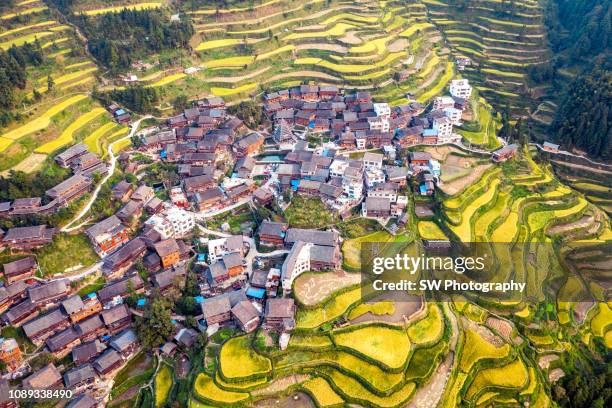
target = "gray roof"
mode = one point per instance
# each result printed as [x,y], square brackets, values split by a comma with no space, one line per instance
[42,378]
[106,360]
[62,339]
[216,306]
[16,312]
[19,266]
[25,233]
[327,238]
[166,247]
[43,322]
[186,337]
[232,260]
[89,325]
[84,401]
[322,253]
[12,290]
[86,351]
[73,304]
[49,290]
[79,374]
[115,314]
[282,308]
[166,278]
[119,288]
[378,204]
[103,227]
[123,340]
[244,311]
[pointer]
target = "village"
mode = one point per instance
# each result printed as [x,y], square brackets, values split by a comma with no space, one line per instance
[341,148]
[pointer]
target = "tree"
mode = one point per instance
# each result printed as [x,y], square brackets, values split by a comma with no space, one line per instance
[181,103]
[155,326]
[50,83]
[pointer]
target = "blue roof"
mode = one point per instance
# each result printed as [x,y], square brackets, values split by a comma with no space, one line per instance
[423,189]
[91,295]
[199,299]
[163,154]
[201,257]
[325,151]
[295,184]
[119,112]
[173,321]
[256,292]
[311,124]
[430,132]
[105,337]
[141,302]
[234,175]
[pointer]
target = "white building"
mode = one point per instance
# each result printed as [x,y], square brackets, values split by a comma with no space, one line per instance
[443,102]
[337,167]
[352,183]
[382,110]
[384,190]
[444,127]
[373,160]
[296,263]
[374,176]
[454,115]
[460,88]
[379,124]
[173,222]
[218,248]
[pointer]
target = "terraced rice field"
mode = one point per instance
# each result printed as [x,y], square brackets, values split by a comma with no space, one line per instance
[348,44]
[139,6]
[43,121]
[504,46]
[66,137]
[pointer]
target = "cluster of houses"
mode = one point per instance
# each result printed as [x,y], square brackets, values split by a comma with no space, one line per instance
[94,329]
[84,165]
[356,122]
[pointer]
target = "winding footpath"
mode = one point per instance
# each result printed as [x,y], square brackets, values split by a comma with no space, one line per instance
[111,169]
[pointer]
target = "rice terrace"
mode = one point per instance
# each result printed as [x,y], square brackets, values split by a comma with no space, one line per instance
[195,196]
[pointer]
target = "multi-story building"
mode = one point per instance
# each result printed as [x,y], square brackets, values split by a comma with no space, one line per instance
[168,252]
[443,102]
[78,309]
[26,238]
[10,353]
[218,248]
[108,235]
[69,189]
[272,233]
[454,115]
[373,160]
[19,269]
[461,88]
[444,127]
[173,222]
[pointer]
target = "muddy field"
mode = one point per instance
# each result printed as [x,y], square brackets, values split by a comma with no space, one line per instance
[313,288]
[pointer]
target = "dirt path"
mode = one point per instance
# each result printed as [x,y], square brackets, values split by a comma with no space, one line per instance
[111,169]
[430,394]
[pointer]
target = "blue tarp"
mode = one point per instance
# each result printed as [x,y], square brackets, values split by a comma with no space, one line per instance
[201,257]
[256,292]
[423,189]
[311,124]
[199,299]
[119,112]
[141,302]
[173,321]
[91,295]
[295,184]
[163,154]
[105,337]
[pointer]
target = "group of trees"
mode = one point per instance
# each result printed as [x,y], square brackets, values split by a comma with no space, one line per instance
[136,98]
[250,112]
[580,36]
[13,75]
[118,39]
[584,118]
